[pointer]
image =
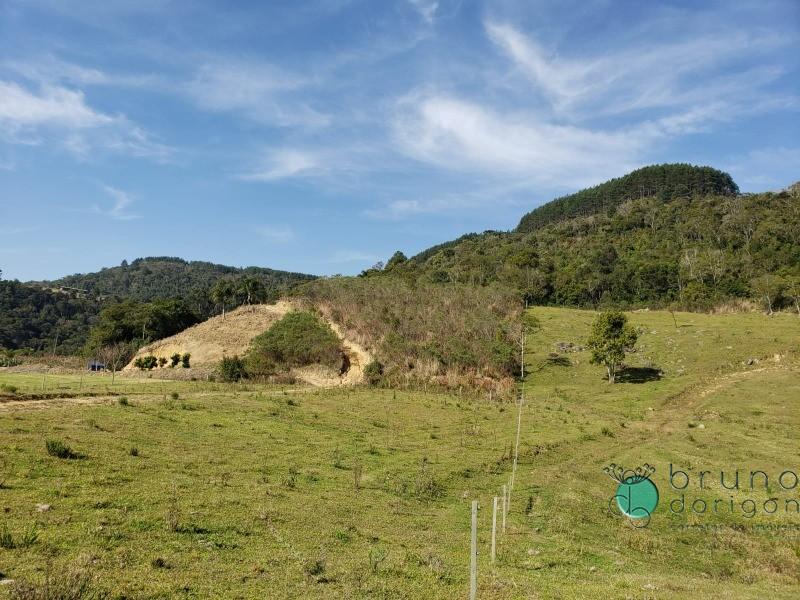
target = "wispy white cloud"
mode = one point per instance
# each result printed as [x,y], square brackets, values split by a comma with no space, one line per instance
[53,105]
[426,8]
[257,90]
[635,77]
[48,69]
[276,234]
[118,211]
[29,116]
[283,164]
[461,135]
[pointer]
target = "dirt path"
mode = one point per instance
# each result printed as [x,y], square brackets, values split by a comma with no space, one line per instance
[682,406]
[358,356]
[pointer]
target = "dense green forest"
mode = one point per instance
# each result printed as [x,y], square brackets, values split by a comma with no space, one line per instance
[41,320]
[694,252]
[133,303]
[163,277]
[664,182]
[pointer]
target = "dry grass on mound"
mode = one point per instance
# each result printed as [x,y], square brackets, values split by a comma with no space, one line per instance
[209,341]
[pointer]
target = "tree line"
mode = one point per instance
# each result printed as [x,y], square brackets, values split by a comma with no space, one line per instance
[663,182]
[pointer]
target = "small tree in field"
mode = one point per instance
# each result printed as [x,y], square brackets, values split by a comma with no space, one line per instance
[611,335]
[114,356]
[768,288]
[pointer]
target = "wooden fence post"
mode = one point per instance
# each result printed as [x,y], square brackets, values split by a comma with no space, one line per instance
[473,554]
[494,529]
[505,500]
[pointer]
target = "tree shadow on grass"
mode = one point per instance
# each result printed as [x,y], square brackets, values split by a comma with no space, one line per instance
[638,375]
[559,361]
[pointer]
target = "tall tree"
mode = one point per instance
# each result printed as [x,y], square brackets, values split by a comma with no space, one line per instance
[610,338]
[222,293]
[251,289]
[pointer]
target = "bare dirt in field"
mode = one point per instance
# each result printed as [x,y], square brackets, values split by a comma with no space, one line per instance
[209,341]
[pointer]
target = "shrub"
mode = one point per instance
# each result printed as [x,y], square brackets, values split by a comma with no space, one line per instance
[298,339]
[174,360]
[231,368]
[185,360]
[611,337]
[123,401]
[7,387]
[134,451]
[174,395]
[146,363]
[59,449]
[161,362]
[373,372]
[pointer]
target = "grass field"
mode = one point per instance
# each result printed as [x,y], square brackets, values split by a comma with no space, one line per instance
[255,492]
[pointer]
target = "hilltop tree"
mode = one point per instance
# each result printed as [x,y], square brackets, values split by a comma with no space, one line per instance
[398,258]
[223,293]
[610,338]
[251,289]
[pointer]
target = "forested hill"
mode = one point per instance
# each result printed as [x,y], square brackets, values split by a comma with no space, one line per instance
[37,319]
[694,252]
[664,182]
[155,278]
[57,315]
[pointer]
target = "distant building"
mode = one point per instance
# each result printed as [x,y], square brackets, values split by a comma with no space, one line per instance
[96,365]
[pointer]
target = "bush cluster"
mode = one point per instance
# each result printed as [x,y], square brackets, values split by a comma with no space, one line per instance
[300,338]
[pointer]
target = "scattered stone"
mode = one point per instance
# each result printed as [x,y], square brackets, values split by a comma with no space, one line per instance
[6,581]
[648,586]
[701,426]
[568,347]
[43,507]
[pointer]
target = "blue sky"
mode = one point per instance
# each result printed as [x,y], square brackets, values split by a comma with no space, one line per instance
[321,136]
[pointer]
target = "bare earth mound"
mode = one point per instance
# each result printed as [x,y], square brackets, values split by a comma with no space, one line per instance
[210,340]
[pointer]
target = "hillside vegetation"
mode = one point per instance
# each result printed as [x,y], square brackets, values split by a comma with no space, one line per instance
[691,252]
[156,278]
[452,334]
[130,300]
[38,320]
[664,182]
